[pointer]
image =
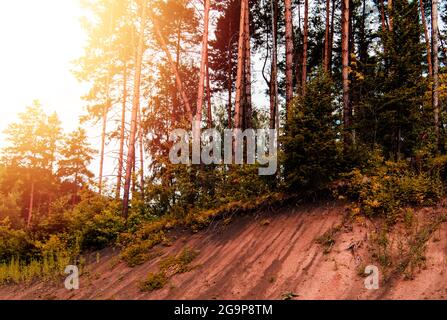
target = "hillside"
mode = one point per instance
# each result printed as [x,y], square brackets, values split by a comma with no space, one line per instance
[276,254]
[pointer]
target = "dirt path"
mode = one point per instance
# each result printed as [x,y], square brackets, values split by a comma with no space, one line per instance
[259,258]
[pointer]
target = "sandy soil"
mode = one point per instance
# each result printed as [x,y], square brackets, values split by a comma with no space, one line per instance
[261,257]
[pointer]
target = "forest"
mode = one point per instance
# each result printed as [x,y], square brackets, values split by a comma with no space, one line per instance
[356,91]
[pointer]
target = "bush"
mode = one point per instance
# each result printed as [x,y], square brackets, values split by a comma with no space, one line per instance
[385,189]
[14,243]
[154,282]
[95,222]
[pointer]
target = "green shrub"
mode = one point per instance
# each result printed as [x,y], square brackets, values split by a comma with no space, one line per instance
[14,243]
[140,251]
[153,282]
[385,189]
[169,267]
[311,152]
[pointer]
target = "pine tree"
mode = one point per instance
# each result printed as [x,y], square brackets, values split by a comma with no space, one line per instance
[310,142]
[289,53]
[33,144]
[402,87]
[76,156]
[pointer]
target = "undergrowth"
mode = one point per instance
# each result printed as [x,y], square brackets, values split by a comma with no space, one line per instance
[17,271]
[137,245]
[169,267]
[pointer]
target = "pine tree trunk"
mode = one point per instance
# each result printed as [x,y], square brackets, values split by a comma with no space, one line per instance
[31,205]
[122,134]
[345,72]
[326,37]
[103,144]
[240,67]
[140,140]
[134,170]
[305,45]
[230,78]
[135,107]
[208,95]
[331,46]
[203,64]
[75,191]
[390,14]
[230,87]
[289,53]
[274,66]
[175,71]
[247,106]
[427,39]
[382,16]
[435,40]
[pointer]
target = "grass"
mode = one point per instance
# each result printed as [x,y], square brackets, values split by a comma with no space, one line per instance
[137,245]
[16,271]
[327,239]
[169,267]
[415,257]
[409,254]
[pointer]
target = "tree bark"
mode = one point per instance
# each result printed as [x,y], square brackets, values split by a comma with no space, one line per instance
[274,66]
[435,40]
[230,87]
[75,191]
[427,39]
[331,46]
[390,14]
[305,45]
[204,57]
[208,95]
[31,204]
[240,67]
[345,72]
[103,143]
[135,107]
[289,53]
[230,77]
[140,140]
[122,134]
[247,106]
[326,37]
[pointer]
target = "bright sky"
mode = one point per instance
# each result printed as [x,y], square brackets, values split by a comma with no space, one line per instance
[39,40]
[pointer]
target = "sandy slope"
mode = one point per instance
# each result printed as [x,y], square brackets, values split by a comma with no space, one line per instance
[252,259]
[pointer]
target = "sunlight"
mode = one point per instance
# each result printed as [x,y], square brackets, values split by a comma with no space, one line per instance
[40,39]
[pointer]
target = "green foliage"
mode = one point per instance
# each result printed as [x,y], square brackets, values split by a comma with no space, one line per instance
[384,189]
[169,267]
[76,157]
[140,251]
[393,109]
[153,282]
[14,243]
[310,147]
[58,238]
[17,271]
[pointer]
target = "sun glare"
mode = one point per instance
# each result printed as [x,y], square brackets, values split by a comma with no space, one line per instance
[39,40]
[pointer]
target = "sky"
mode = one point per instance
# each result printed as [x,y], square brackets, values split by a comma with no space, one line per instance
[39,40]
